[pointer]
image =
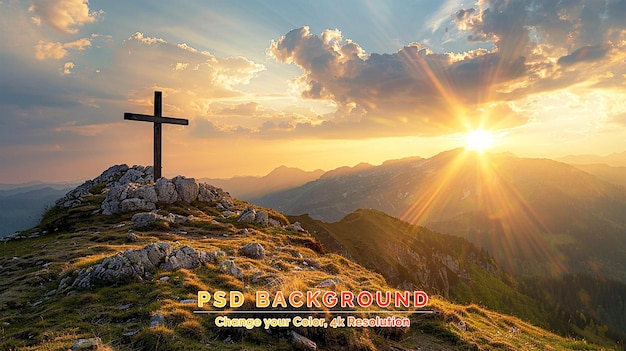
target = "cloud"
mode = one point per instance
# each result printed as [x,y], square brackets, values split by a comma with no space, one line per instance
[51,50]
[411,91]
[586,53]
[530,48]
[65,16]
[67,68]
[55,50]
[191,79]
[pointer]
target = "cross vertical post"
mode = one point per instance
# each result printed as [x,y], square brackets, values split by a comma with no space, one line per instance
[158,121]
[158,110]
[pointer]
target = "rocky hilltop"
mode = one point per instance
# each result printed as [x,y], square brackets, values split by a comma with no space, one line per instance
[97,274]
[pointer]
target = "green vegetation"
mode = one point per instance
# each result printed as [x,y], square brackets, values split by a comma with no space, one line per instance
[35,316]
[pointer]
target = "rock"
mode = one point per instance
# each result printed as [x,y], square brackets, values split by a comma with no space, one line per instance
[299,342]
[111,203]
[262,218]
[145,219]
[136,204]
[208,193]
[228,213]
[295,226]
[273,222]
[135,265]
[253,250]
[164,279]
[157,319]
[166,191]
[87,344]
[76,195]
[311,262]
[175,218]
[229,267]
[328,283]
[187,188]
[188,301]
[138,174]
[132,237]
[248,215]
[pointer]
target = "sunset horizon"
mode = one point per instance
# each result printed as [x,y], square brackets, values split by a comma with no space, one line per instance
[304,85]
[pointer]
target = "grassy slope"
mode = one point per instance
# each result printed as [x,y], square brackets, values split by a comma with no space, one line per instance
[120,315]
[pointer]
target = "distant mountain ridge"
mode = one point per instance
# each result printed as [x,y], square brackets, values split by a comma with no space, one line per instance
[535,216]
[615,159]
[251,187]
[21,205]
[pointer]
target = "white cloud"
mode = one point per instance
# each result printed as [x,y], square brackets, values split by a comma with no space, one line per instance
[51,50]
[67,68]
[56,50]
[66,16]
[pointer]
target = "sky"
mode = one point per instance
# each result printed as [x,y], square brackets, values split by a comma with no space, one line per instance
[309,84]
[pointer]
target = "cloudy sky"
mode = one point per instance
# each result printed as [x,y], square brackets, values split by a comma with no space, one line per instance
[310,84]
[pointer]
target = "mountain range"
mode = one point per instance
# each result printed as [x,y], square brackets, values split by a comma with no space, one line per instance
[250,187]
[535,216]
[21,206]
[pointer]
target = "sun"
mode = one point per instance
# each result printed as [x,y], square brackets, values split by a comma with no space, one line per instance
[479,140]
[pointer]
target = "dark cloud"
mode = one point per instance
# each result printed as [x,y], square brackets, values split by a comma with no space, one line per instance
[586,53]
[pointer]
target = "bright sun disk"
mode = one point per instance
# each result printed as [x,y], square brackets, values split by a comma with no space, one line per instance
[479,140]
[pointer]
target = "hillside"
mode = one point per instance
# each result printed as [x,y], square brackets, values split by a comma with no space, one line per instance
[611,174]
[534,216]
[85,279]
[410,256]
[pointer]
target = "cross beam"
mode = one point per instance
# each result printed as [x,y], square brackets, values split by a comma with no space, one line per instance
[158,120]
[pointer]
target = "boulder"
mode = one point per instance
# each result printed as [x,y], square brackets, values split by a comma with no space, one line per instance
[229,267]
[255,251]
[300,342]
[248,215]
[187,188]
[295,226]
[136,204]
[157,320]
[135,265]
[208,193]
[145,219]
[86,344]
[262,218]
[166,191]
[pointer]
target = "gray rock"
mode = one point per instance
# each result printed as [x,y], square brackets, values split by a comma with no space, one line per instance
[300,342]
[253,250]
[262,218]
[157,319]
[136,204]
[295,226]
[132,237]
[166,191]
[145,219]
[134,265]
[328,283]
[175,218]
[87,344]
[248,215]
[187,188]
[138,174]
[208,193]
[229,267]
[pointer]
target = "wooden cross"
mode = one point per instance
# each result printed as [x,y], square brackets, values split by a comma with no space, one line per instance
[157,119]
